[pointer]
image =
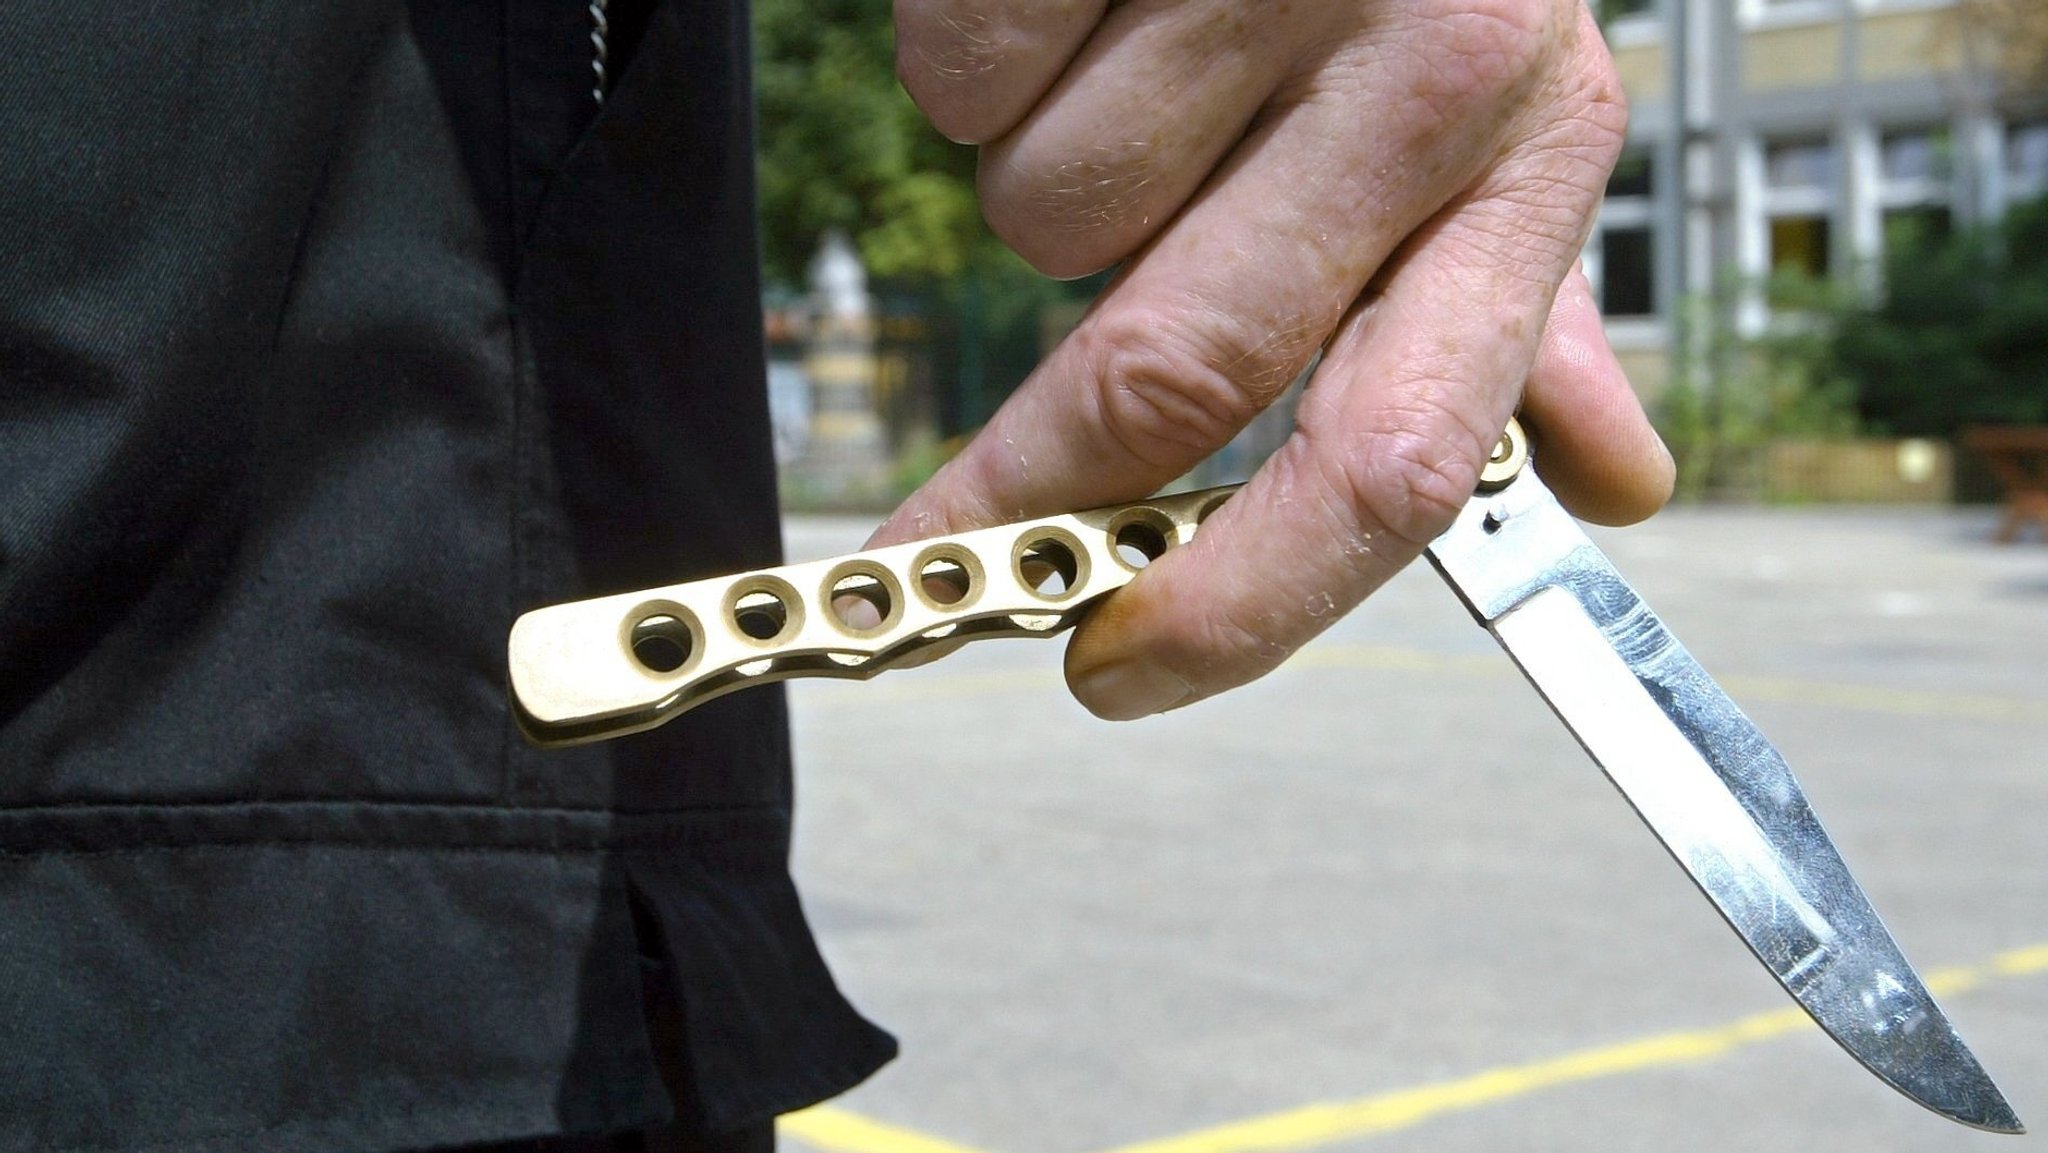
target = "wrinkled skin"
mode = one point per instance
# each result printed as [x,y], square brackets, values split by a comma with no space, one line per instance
[1402,184]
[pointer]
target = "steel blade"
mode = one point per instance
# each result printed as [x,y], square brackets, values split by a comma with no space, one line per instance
[1711,787]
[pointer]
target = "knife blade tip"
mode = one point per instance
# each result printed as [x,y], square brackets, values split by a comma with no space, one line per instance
[1970,1098]
[1992,1116]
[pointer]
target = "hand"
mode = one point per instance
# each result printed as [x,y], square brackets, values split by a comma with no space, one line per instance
[1402,184]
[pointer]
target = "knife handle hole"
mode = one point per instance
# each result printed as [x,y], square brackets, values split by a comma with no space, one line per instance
[662,643]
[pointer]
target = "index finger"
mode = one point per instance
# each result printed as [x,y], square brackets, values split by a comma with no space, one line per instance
[1214,318]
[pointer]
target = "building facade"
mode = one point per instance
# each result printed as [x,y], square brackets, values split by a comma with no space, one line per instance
[1793,134]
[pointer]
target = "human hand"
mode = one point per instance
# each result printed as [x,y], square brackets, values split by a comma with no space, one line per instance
[1404,185]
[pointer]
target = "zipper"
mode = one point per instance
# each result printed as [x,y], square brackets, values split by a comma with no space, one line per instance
[600,33]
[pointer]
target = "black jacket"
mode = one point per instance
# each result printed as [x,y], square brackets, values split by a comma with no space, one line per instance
[332,337]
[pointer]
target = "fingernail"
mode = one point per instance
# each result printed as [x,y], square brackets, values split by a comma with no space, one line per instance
[1128,689]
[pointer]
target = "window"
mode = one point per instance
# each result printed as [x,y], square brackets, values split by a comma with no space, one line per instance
[1622,262]
[1627,284]
[1631,175]
[1804,164]
[2026,158]
[1913,191]
[1917,156]
[1799,199]
[1799,244]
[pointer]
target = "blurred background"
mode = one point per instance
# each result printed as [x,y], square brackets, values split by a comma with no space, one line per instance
[1823,256]
[1380,899]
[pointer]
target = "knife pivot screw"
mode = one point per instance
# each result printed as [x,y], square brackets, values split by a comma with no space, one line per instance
[1509,456]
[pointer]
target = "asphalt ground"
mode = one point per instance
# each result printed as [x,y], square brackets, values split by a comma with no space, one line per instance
[1381,900]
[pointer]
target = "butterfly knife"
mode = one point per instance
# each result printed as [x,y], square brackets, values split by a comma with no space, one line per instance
[1700,774]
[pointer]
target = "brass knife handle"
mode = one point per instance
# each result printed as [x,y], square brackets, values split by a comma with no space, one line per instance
[593,669]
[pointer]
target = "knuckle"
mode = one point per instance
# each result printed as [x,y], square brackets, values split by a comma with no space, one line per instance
[1514,35]
[1163,397]
[1600,106]
[1558,170]
[1411,480]
[1586,96]
[1557,164]
[1487,51]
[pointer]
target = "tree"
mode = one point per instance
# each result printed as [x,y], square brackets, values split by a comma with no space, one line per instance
[1961,335]
[842,147]
[1736,392]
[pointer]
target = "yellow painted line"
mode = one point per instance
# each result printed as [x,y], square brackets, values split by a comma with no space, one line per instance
[1315,1125]
[833,1130]
[1955,981]
[2021,962]
[1909,702]
[1392,658]
[838,1131]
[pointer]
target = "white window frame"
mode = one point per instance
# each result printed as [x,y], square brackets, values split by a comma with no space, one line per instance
[2018,186]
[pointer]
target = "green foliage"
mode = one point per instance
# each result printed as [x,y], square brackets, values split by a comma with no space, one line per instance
[842,147]
[1961,335]
[1731,394]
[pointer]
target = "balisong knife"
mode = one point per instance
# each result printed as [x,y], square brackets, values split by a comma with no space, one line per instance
[1696,769]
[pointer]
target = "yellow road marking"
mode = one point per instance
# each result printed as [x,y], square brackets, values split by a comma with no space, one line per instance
[1313,1125]
[1910,702]
[2021,962]
[1399,659]
[838,1131]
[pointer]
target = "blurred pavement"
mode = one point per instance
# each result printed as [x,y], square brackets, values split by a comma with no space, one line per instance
[1387,869]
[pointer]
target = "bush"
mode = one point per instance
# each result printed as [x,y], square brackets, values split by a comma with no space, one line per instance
[1960,335]
[1730,394]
